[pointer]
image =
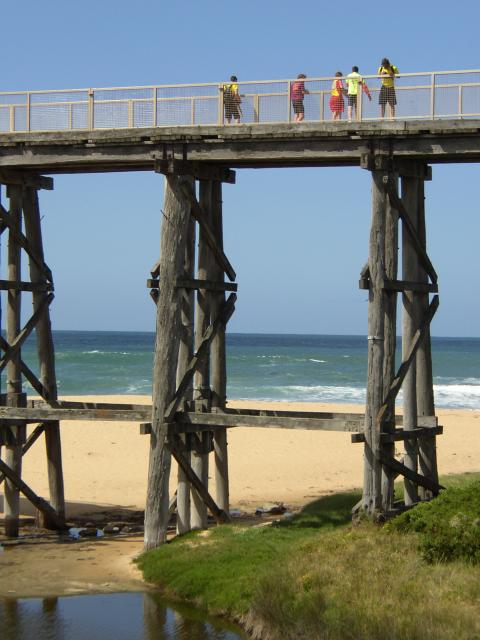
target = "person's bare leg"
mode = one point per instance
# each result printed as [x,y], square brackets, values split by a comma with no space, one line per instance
[350,109]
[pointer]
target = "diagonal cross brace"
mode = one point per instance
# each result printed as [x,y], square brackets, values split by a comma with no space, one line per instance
[38,502]
[219,515]
[199,215]
[25,244]
[403,369]
[415,477]
[223,317]
[11,350]
[403,213]
[28,373]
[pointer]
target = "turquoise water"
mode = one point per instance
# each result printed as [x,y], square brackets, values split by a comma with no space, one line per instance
[120,616]
[260,366]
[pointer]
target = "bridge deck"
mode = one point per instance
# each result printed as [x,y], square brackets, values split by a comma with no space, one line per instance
[282,145]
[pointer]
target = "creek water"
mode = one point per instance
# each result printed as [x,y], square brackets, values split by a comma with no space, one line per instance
[118,616]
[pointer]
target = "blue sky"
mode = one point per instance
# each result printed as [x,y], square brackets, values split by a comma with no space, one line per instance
[297,238]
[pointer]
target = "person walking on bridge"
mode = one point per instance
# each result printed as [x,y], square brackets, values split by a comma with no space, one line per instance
[336,96]
[232,100]
[354,80]
[387,72]
[297,94]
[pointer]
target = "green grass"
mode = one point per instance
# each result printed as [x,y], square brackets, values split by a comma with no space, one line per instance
[317,577]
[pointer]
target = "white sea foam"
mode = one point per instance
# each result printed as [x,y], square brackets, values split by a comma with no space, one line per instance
[315,360]
[457,395]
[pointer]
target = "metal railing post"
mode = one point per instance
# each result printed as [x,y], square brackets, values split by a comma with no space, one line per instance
[359,101]
[155,97]
[220,104]
[289,101]
[460,100]
[12,117]
[256,108]
[432,98]
[28,111]
[91,105]
[192,111]
[130,114]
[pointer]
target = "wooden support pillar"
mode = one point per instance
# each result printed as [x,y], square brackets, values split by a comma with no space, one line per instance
[15,398]
[218,362]
[427,454]
[201,384]
[410,323]
[372,491]
[390,343]
[172,257]
[185,354]
[46,353]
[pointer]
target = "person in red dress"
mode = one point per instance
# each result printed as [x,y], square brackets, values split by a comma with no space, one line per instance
[337,92]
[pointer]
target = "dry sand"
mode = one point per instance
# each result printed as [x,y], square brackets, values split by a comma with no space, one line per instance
[105,464]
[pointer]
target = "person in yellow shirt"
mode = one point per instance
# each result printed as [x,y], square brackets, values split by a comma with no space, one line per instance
[387,72]
[231,100]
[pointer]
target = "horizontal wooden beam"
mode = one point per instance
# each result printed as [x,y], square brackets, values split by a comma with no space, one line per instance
[7,176]
[207,285]
[38,414]
[76,404]
[15,285]
[186,422]
[198,170]
[400,435]
[407,285]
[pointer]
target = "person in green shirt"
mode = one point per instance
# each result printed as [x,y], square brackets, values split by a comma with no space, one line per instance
[354,81]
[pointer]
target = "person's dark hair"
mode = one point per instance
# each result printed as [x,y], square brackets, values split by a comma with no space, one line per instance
[301,75]
[385,62]
[355,69]
[338,74]
[233,78]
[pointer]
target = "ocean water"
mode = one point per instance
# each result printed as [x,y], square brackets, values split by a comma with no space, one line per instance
[260,366]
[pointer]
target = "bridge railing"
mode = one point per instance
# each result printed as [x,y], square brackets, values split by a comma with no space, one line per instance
[429,96]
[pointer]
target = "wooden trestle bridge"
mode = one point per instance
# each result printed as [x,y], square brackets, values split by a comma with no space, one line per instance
[195,294]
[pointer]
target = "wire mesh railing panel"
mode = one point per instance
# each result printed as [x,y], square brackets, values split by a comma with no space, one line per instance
[429,95]
[4,119]
[50,117]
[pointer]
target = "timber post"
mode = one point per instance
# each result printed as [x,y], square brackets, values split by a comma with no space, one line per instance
[176,212]
[218,362]
[201,387]
[372,492]
[185,355]
[15,398]
[45,348]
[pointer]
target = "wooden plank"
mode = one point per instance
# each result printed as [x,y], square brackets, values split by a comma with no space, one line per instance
[200,216]
[198,170]
[74,404]
[38,414]
[400,435]
[15,285]
[402,370]
[414,477]
[206,285]
[185,420]
[405,216]
[51,517]
[25,179]
[219,515]
[405,285]
[202,352]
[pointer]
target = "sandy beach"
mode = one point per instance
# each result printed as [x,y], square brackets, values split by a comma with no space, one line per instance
[105,466]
